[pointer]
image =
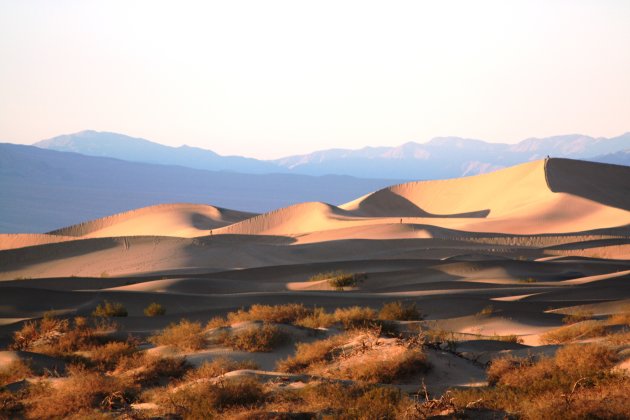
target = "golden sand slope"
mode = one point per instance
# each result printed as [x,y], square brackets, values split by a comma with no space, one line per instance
[558,195]
[21,240]
[182,220]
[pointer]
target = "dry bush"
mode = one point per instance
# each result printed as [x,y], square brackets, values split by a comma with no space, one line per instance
[510,338]
[400,311]
[109,309]
[487,310]
[147,369]
[278,314]
[14,371]
[581,330]
[218,367]
[217,322]
[205,400]
[577,316]
[319,318]
[537,389]
[82,392]
[622,318]
[263,338]
[340,279]
[108,355]
[61,337]
[308,354]
[185,335]
[390,370]
[355,317]
[620,338]
[339,401]
[155,309]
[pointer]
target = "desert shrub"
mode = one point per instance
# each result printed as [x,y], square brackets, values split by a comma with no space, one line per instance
[355,317]
[400,311]
[578,380]
[622,318]
[620,338]
[510,338]
[81,392]
[487,310]
[578,331]
[147,369]
[204,400]
[217,322]
[255,338]
[278,314]
[528,280]
[218,367]
[110,309]
[109,354]
[318,318]
[154,309]
[14,371]
[185,335]
[389,370]
[577,316]
[61,337]
[357,401]
[308,354]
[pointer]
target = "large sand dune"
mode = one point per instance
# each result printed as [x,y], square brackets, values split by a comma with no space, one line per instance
[183,220]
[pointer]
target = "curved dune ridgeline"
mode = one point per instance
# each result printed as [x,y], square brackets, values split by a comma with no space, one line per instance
[181,219]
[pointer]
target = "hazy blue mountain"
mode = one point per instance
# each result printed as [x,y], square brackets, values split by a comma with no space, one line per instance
[43,189]
[120,146]
[621,157]
[447,157]
[441,157]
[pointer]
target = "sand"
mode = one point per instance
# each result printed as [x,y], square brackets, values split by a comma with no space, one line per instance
[530,241]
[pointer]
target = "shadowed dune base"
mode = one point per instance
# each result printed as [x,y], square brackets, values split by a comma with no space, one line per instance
[493,262]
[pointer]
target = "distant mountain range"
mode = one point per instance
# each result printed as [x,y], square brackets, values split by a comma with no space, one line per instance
[442,157]
[43,190]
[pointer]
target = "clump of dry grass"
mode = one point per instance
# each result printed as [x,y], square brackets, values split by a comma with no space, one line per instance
[146,369]
[255,338]
[14,371]
[206,400]
[155,309]
[107,356]
[79,394]
[577,316]
[318,318]
[578,331]
[278,314]
[621,318]
[218,367]
[308,354]
[390,370]
[487,310]
[185,335]
[355,317]
[109,309]
[573,380]
[400,311]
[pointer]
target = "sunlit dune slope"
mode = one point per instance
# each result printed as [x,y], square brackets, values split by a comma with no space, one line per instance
[21,240]
[557,195]
[182,220]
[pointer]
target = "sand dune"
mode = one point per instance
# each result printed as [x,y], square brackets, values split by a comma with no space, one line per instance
[536,197]
[182,220]
[21,240]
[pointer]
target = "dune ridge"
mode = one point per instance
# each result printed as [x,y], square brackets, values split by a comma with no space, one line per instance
[180,219]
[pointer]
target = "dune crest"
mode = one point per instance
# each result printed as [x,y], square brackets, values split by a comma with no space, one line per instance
[181,219]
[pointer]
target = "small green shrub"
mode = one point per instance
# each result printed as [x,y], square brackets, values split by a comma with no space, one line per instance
[155,309]
[110,309]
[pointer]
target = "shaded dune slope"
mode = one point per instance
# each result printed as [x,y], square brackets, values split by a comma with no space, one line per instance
[183,220]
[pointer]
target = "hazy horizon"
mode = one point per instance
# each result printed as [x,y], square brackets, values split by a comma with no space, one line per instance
[285,78]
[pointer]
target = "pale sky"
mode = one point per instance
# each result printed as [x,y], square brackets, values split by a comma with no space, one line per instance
[274,78]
